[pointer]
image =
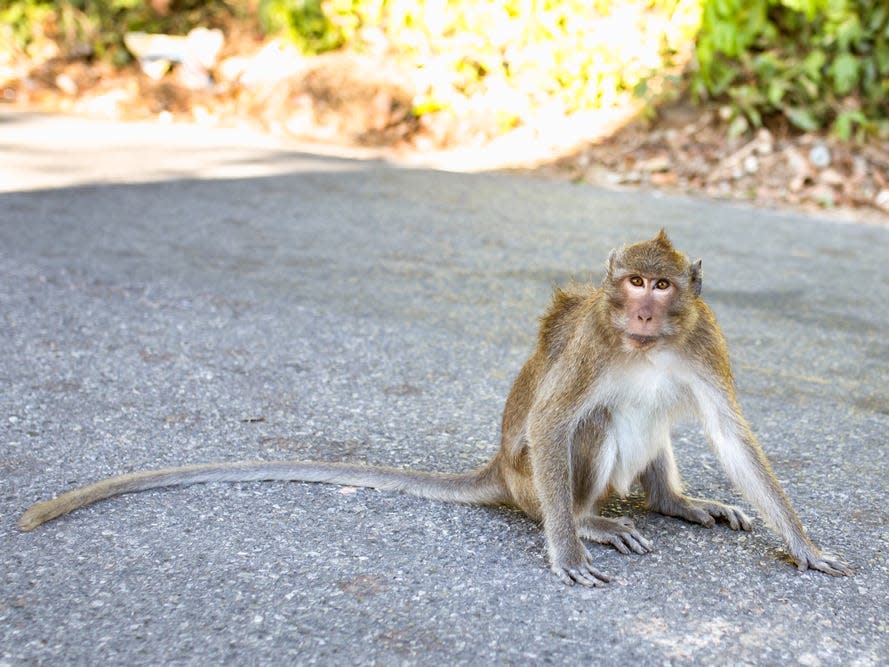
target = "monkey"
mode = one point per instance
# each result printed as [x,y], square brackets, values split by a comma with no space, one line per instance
[588,416]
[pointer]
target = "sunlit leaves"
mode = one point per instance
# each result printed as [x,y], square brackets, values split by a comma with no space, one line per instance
[804,59]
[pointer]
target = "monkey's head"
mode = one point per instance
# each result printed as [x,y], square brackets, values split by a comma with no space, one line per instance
[651,287]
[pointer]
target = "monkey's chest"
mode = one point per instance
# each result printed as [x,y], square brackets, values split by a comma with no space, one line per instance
[642,403]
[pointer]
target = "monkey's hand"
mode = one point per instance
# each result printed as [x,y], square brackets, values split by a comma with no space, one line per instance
[704,512]
[827,563]
[576,566]
[620,533]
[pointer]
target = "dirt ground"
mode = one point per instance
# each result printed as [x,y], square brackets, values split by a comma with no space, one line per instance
[366,101]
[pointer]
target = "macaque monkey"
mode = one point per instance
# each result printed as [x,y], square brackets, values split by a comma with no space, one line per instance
[589,415]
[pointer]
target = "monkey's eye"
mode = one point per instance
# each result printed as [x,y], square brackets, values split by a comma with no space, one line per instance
[636,281]
[662,284]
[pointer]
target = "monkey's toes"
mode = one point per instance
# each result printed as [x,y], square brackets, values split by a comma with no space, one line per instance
[702,517]
[708,512]
[737,520]
[630,541]
[619,533]
[831,566]
[639,543]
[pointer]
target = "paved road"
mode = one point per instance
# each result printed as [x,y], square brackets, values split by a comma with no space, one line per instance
[175,295]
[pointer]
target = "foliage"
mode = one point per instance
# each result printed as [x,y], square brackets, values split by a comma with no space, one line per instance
[816,62]
[96,27]
[23,23]
[305,22]
[511,58]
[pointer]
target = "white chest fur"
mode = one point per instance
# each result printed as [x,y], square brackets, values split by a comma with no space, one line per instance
[643,398]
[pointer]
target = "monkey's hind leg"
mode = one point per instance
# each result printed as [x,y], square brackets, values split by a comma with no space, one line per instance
[620,533]
[663,493]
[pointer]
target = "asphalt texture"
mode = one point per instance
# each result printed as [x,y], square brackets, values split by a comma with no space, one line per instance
[174,295]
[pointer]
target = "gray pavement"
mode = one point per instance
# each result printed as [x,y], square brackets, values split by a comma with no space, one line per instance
[176,295]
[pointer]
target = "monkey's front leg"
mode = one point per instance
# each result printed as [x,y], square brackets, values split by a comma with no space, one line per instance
[749,469]
[663,491]
[569,559]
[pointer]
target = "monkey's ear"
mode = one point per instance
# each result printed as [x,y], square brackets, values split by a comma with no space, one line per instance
[612,261]
[696,273]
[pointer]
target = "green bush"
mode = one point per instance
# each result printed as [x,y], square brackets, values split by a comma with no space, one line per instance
[508,57]
[305,22]
[97,27]
[819,63]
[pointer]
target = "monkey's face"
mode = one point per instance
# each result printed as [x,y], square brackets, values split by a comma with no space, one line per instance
[651,289]
[647,305]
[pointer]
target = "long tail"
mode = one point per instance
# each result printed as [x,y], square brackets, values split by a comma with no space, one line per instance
[480,487]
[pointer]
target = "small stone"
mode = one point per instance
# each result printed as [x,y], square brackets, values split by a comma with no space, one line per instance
[859,167]
[765,142]
[631,177]
[656,163]
[823,195]
[66,84]
[882,199]
[831,177]
[664,178]
[819,156]
[800,168]
[751,164]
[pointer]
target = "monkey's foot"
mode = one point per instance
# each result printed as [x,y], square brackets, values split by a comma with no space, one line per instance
[704,512]
[579,570]
[826,563]
[620,533]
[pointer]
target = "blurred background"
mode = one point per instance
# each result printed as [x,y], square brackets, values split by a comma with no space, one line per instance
[781,103]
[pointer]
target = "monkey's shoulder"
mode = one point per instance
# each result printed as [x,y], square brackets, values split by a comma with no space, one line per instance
[706,343]
[560,321]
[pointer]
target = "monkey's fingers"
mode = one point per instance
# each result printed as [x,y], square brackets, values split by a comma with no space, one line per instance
[582,572]
[585,575]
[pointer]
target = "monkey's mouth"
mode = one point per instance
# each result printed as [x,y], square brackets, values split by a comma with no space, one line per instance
[641,342]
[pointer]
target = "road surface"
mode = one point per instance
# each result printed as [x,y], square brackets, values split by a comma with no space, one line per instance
[176,295]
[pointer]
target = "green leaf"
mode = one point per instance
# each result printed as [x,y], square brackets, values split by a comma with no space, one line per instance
[804,119]
[777,88]
[844,72]
[808,87]
[844,123]
[738,126]
[881,56]
[814,62]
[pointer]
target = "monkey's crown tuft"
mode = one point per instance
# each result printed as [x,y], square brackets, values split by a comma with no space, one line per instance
[654,257]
